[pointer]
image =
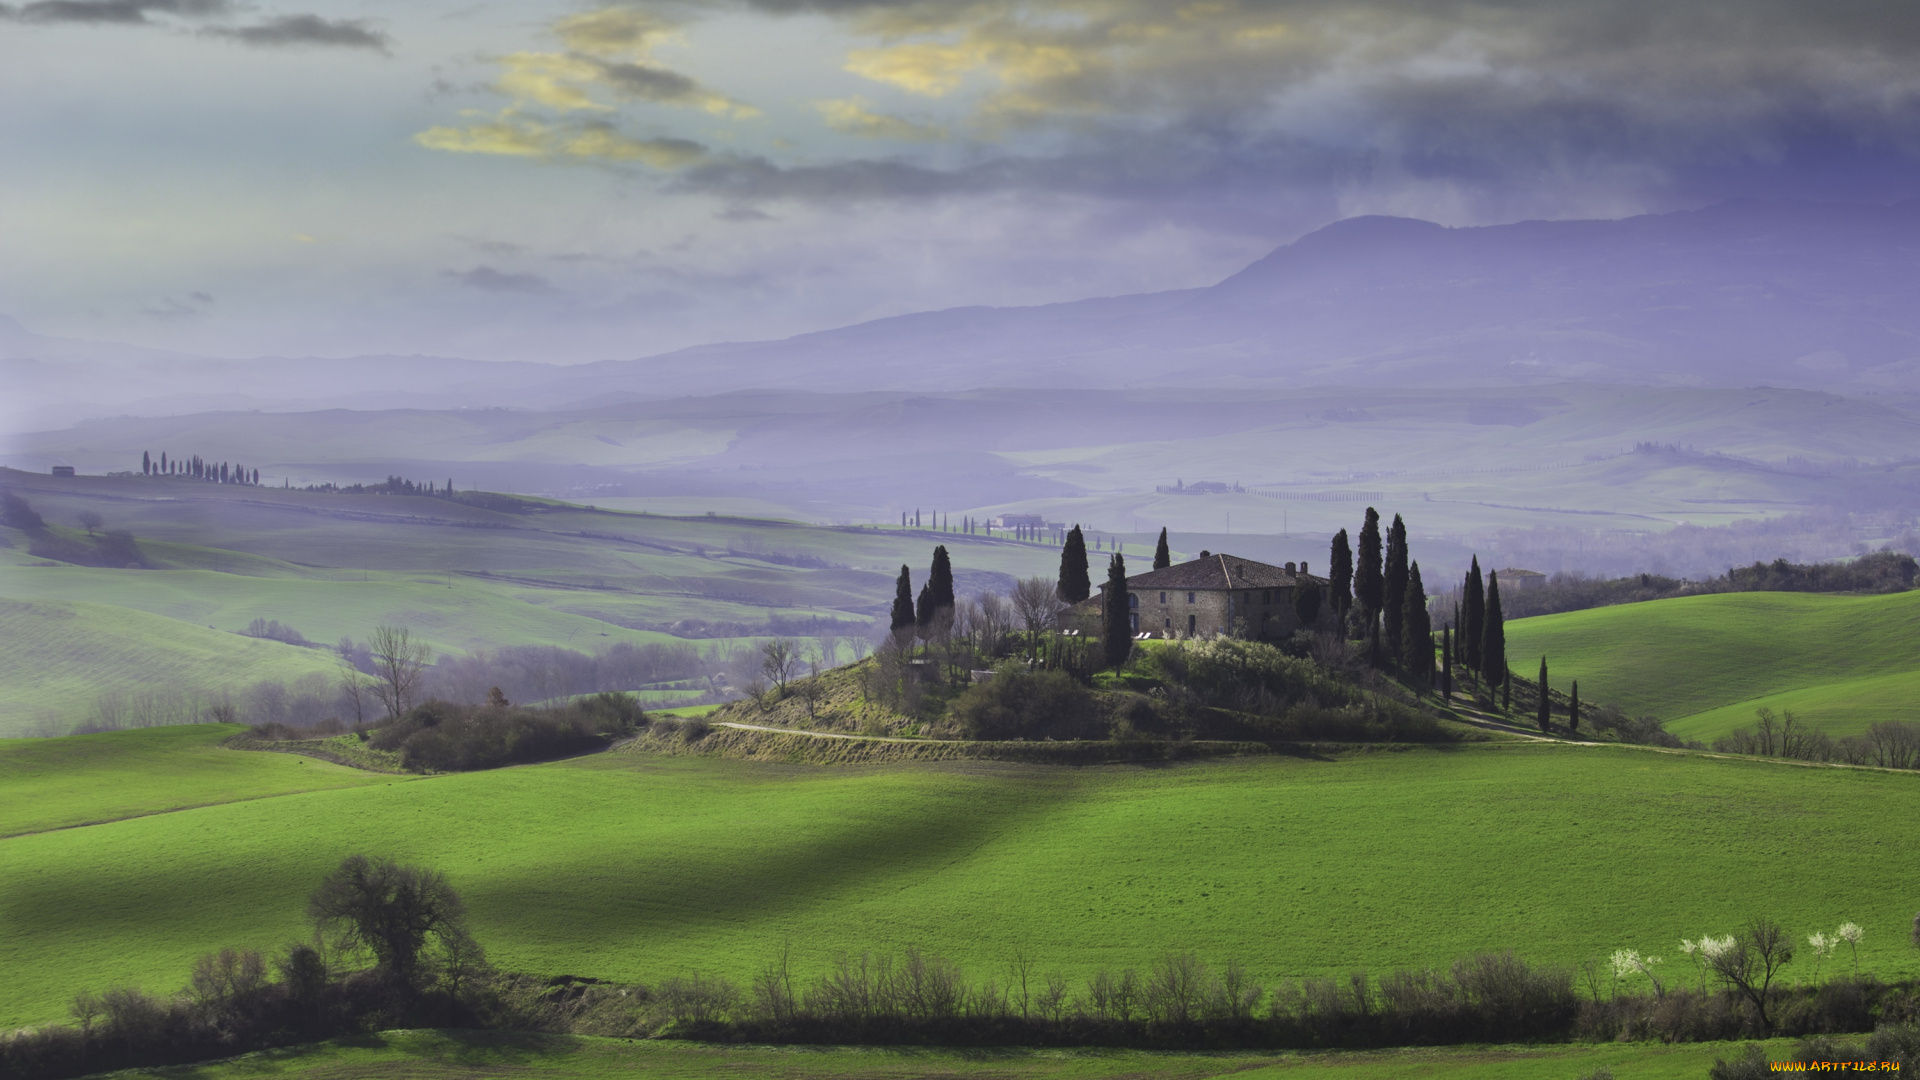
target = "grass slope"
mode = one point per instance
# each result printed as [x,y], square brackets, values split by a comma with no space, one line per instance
[1705,663]
[57,783]
[631,866]
[60,657]
[433,1055]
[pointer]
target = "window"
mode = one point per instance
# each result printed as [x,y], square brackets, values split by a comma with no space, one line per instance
[1189,622]
[1134,619]
[1189,600]
[1163,598]
[1134,603]
[1266,597]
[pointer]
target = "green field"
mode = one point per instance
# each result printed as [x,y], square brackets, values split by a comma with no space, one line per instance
[60,659]
[60,783]
[460,577]
[631,866]
[1705,663]
[431,1055]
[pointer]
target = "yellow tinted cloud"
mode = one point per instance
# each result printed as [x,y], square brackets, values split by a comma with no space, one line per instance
[851,115]
[555,80]
[612,32]
[513,136]
[920,68]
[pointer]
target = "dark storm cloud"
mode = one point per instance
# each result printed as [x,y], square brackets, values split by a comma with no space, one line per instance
[487,279]
[1504,101]
[121,12]
[296,31]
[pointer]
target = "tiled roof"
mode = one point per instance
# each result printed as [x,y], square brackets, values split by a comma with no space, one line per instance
[1216,572]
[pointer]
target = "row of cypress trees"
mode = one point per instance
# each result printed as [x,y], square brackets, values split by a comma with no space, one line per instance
[223,472]
[1385,583]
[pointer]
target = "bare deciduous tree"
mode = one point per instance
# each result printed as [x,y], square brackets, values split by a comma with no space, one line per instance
[1750,965]
[1037,604]
[780,662]
[90,521]
[398,661]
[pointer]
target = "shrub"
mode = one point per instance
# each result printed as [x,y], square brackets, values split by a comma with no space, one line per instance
[442,737]
[1017,704]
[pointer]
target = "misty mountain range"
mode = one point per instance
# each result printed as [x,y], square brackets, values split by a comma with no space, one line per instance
[1747,293]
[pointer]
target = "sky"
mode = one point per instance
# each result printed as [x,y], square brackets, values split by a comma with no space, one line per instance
[568,182]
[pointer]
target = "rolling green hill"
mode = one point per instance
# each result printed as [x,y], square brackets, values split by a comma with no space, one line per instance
[60,783]
[1705,663]
[62,658]
[633,866]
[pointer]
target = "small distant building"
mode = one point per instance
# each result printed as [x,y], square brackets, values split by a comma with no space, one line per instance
[1514,579]
[1021,521]
[1211,595]
[63,470]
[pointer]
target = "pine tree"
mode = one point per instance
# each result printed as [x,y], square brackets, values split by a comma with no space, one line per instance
[1162,555]
[940,579]
[1473,608]
[1117,634]
[1573,708]
[1368,584]
[902,602]
[1394,588]
[1544,713]
[1446,663]
[1075,583]
[1416,628]
[1340,575]
[1493,638]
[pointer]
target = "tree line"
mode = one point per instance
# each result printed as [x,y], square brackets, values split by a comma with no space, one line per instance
[194,467]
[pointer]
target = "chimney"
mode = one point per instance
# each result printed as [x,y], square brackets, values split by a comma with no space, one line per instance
[1303,567]
[1289,568]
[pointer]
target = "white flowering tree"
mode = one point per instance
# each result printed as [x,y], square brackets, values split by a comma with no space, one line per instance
[1822,944]
[1851,933]
[1629,962]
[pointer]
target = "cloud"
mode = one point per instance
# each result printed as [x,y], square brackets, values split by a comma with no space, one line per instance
[487,279]
[294,31]
[120,12]
[853,117]
[512,135]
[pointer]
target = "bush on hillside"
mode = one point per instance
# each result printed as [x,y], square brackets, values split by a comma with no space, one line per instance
[442,737]
[1251,676]
[1017,704]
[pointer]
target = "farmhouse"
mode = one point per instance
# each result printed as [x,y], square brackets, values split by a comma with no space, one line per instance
[1518,580]
[1213,594]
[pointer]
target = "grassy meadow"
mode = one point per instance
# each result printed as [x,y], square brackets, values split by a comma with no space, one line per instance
[461,578]
[632,866]
[1704,664]
[433,1055]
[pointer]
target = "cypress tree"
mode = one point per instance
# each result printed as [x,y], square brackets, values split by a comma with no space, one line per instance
[1493,638]
[1394,589]
[1416,628]
[902,602]
[1573,708]
[1340,574]
[1506,696]
[1544,713]
[163,461]
[1075,583]
[1446,663]
[1306,602]
[146,464]
[1162,555]
[1473,608]
[1369,586]
[1117,634]
[923,609]
[940,579]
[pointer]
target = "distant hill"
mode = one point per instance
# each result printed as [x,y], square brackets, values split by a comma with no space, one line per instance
[1791,294]
[1704,664]
[1787,294]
